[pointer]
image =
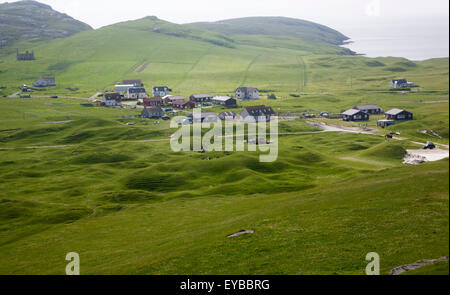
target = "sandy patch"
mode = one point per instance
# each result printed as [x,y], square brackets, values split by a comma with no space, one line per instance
[415,157]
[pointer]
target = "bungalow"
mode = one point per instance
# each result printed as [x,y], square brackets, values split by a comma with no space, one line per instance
[160,91]
[198,98]
[227,115]
[401,83]
[371,109]
[123,88]
[151,102]
[398,115]
[182,104]
[112,99]
[257,113]
[135,83]
[224,100]
[355,115]
[154,112]
[136,93]
[247,93]
[44,82]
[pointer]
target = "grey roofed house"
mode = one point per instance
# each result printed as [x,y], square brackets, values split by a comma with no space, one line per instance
[225,115]
[160,91]
[205,117]
[44,82]
[398,115]
[257,112]
[224,100]
[247,93]
[200,97]
[355,115]
[136,90]
[136,83]
[370,108]
[399,83]
[154,112]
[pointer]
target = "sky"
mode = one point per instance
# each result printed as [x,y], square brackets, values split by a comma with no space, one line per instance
[354,18]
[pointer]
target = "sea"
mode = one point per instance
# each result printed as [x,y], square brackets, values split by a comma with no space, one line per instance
[416,40]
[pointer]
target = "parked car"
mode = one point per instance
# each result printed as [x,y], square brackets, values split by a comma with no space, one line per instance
[429,146]
[54,96]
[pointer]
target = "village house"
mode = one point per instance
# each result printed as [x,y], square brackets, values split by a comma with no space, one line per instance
[371,109]
[257,113]
[182,104]
[154,112]
[355,115]
[160,91]
[135,83]
[401,83]
[25,56]
[224,100]
[199,98]
[227,115]
[112,99]
[398,115]
[136,93]
[123,88]
[154,101]
[44,82]
[247,93]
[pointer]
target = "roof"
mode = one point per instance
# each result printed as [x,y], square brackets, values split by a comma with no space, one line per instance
[153,110]
[228,114]
[247,89]
[368,107]
[201,95]
[179,101]
[400,81]
[222,98]
[259,110]
[351,112]
[47,79]
[136,90]
[394,112]
[153,99]
[161,88]
[131,82]
[112,96]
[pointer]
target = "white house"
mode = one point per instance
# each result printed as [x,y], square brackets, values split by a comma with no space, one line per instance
[136,93]
[112,100]
[123,87]
[44,82]
[160,91]
[247,93]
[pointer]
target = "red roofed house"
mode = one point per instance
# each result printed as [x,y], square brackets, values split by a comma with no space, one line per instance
[182,104]
[152,102]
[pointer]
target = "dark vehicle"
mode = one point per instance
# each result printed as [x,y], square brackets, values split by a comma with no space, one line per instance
[429,146]
[54,96]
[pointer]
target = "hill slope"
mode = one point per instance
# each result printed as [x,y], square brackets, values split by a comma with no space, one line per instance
[275,26]
[30,19]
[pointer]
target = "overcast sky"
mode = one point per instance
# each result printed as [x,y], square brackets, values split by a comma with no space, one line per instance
[336,13]
[358,19]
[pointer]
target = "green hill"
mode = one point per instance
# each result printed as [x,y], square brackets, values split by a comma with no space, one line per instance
[25,20]
[275,27]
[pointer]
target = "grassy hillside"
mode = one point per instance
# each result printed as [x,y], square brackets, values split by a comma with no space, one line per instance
[118,195]
[275,27]
[24,20]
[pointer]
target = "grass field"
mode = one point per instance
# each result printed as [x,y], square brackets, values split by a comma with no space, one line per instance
[79,179]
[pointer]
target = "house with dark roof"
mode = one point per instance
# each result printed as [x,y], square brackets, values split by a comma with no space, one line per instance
[25,56]
[199,98]
[135,83]
[355,115]
[44,82]
[227,115]
[160,91]
[401,83]
[136,93]
[247,93]
[371,109]
[205,118]
[398,115]
[224,100]
[153,101]
[154,112]
[112,99]
[182,104]
[257,113]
